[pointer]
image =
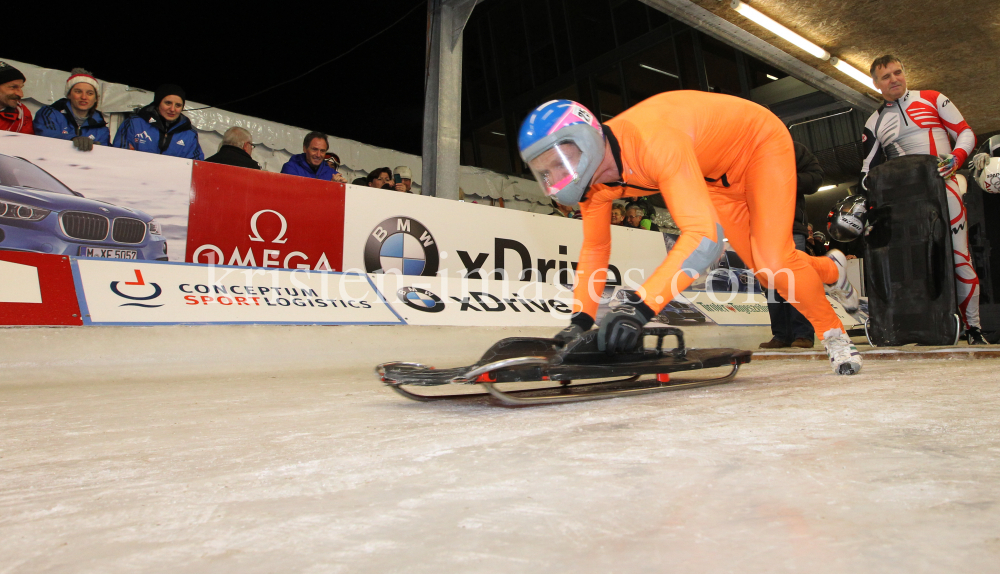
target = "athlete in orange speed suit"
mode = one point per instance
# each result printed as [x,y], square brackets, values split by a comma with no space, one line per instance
[720,163]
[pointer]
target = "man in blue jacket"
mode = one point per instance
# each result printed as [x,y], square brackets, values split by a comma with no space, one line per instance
[160,127]
[312,161]
[75,117]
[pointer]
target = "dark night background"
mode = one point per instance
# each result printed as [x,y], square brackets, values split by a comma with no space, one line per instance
[374,95]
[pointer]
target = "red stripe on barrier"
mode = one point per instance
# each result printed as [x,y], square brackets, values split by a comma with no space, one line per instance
[37,289]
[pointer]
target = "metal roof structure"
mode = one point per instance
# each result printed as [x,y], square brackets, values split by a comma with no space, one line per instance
[949,47]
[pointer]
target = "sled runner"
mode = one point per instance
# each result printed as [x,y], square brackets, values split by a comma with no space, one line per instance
[572,366]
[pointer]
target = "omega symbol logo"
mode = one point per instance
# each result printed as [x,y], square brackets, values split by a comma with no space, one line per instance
[256,234]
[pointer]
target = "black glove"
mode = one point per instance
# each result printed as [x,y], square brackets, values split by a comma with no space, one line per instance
[83,143]
[579,324]
[621,328]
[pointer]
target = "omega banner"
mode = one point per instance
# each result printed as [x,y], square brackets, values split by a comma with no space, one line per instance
[258,219]
[129,293]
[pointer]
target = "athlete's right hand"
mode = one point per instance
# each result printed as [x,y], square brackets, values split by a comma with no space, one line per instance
[980,160]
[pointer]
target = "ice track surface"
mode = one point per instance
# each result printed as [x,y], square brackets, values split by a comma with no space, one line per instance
[299,468]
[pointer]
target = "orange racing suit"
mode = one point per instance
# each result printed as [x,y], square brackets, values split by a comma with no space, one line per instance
[723,165]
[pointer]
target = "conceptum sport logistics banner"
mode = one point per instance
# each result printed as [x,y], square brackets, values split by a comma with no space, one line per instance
[129,292]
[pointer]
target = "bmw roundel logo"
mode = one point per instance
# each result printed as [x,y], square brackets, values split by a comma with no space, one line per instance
[420,299]
[401,245]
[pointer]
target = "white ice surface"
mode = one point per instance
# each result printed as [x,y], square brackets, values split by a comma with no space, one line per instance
[130,461]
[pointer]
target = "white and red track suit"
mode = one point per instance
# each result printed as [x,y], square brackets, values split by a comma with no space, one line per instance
[926,122]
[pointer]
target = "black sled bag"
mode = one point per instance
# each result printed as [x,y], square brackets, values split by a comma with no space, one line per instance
[908,255]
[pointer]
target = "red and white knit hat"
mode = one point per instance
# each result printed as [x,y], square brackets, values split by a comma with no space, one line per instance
[81,76]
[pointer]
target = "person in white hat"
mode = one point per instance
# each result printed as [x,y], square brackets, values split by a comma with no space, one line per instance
[405,176]
[75,117]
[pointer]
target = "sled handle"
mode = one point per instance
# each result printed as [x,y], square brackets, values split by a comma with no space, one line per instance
[661,333]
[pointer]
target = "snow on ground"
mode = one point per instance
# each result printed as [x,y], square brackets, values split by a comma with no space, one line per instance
[790,468]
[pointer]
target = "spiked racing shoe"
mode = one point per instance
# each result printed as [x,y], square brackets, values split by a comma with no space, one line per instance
[844,356]
[842,290]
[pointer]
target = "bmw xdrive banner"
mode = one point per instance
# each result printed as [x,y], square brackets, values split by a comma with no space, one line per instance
[131,293]
[486,303]
[386,232]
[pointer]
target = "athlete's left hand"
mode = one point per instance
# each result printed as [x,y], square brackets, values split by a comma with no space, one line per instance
[947,165]
[621,328]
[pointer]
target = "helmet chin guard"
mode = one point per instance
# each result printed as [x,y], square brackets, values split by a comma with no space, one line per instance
[563,144]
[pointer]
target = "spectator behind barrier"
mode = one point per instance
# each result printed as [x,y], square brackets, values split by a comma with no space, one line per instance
[816,243]
[618,214]
[160,127]
[405,179]
[75,117]
[635,217]
[236,149]
[561,210]
[14,117]
[380,178]
[312,161]
[333,160]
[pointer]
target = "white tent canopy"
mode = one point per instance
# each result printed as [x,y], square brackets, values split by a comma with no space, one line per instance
[279,141]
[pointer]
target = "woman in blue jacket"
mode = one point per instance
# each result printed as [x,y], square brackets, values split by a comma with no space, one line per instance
[75,117]
[160,127]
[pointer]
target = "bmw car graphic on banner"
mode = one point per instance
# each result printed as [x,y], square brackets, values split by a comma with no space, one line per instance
[129,293]
[39,213]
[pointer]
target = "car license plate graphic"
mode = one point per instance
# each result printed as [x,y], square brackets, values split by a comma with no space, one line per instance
[110,253]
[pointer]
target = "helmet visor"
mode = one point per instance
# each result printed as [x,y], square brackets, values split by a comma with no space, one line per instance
[557,167]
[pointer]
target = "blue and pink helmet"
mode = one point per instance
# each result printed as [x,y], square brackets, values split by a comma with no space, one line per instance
[563,144]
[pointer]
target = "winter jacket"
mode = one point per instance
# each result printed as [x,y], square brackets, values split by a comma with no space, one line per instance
[16,120]
[298,165]
[56,121]
[809,177]
[142,132]
[232,155]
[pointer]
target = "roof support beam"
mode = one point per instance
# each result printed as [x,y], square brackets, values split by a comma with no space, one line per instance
[725,31]
[443,96]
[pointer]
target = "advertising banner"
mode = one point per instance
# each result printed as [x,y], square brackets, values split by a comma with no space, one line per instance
[37,289]
[735,309]
[131,293]
[387,231]
[259,219]
[107,202]
[474,302]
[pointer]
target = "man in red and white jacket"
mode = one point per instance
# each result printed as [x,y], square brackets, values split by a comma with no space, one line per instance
[926,122]
[14,116]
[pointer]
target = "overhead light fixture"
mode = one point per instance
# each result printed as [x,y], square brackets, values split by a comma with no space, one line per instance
[659,71]
[826,187]
[499,134]
[770,77]
[752,14]
[853,72]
